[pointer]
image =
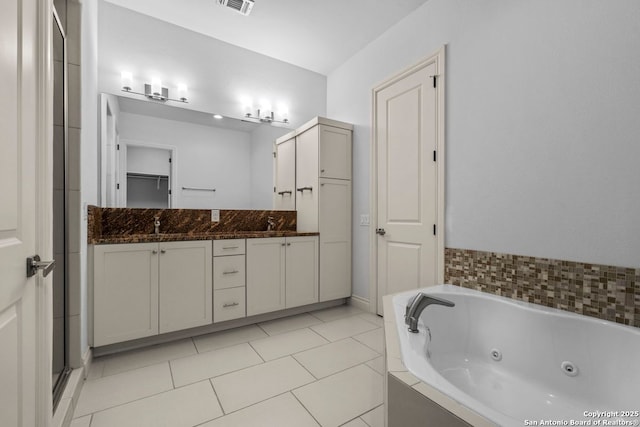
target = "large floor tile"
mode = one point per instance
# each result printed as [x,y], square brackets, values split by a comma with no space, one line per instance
[355,423]
[121,388]
[341,397]
[287,343]
[343,328]
[291,323]
[228,338]
[335,357]
[202,366]
[182,407]
[81,422]
[375,417]
[372,339]
[377,365]
[333,313]
[147,356]
[280,411]
[373,318]
[240,389]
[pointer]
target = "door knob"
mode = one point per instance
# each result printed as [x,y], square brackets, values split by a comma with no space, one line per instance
[34,264]
[380,231]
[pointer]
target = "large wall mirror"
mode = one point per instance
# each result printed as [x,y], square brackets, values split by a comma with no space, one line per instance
[155,155]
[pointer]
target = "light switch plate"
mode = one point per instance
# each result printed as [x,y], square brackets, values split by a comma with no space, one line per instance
[215,215]
[364,219]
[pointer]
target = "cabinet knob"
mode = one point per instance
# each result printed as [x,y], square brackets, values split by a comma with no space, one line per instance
[322,170]
[154,252]
[288,244]
[163,251]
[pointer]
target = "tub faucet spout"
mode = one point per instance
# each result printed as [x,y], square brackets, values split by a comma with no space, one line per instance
[417,304]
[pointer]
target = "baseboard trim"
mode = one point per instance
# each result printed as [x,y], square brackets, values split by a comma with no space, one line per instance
[216,327]
[361,303]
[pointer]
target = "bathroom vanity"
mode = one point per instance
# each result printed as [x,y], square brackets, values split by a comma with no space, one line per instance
[199,273]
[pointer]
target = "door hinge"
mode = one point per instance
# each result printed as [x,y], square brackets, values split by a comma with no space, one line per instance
[434,229]
[118,147]
[118,186]
[169,159]
[274,154]
[169,192]
[434,81]
[274,189]
[434,155]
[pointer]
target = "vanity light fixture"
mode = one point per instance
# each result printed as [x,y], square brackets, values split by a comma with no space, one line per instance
[265,113]
[241,6]
[153,90]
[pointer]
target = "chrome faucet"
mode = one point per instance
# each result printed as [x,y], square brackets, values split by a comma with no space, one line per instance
[270,223]
[417,304]
[156,224]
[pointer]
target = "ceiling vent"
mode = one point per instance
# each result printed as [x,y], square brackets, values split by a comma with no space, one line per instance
[242,6]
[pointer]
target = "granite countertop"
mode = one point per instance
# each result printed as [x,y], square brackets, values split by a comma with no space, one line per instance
[174,237]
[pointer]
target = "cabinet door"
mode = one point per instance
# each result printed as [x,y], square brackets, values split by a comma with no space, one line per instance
[186,298]
[265,275]
[335,239]
[307,180]
[335,152]
[301,271]
[285,176]
[125,292]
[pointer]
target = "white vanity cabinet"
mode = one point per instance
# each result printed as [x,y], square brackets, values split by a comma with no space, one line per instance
[323,151]
[281,273]
[125,292]
[143,289]
[229,272]
[185,285]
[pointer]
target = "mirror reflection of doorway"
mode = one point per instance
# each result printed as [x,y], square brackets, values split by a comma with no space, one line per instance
[148,180]
[60,359]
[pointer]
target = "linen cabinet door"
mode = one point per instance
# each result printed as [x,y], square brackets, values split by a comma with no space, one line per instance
[302,271]
[335,239]
[307,180]
[265,275]
[186,298]
[284,197]
[125,292]
[335,152]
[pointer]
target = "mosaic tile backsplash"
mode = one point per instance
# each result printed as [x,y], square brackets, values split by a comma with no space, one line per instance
[602,291]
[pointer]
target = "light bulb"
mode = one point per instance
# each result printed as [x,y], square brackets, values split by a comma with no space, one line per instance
[127,80]
[156,87]
[182,92]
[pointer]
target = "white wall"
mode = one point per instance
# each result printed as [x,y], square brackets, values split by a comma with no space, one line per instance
[218,74]
[89,144]
[206,157]
[542,108]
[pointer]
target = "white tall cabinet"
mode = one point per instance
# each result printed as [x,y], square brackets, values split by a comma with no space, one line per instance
[322,165]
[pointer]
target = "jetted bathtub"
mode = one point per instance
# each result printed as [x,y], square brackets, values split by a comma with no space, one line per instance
[519,364]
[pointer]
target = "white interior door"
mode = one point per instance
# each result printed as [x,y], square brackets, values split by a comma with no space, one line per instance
[25,121]
[284,197]
[407,182]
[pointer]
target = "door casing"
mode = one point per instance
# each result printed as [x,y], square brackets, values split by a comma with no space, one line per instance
[437,58]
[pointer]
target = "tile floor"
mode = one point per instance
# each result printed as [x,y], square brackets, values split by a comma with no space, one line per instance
[322,368]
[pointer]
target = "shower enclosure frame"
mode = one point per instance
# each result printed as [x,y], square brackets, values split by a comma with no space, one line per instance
[61,381]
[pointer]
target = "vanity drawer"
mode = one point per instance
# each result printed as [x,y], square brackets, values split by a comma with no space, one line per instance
[228,304]
[228,247]
[228,271]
